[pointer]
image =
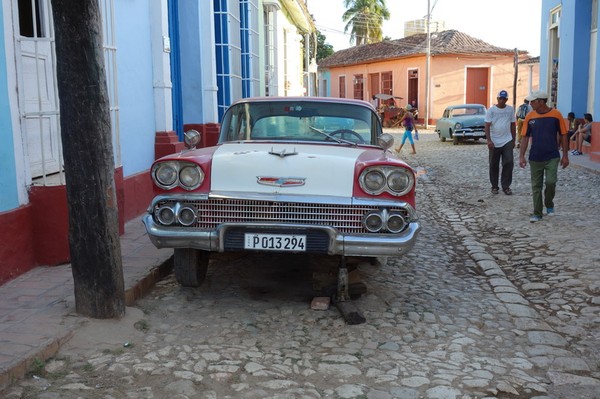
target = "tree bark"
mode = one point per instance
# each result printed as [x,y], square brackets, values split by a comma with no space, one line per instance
[88,160]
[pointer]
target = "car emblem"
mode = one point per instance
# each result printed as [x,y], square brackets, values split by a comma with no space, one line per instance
[281,181]
[283,153]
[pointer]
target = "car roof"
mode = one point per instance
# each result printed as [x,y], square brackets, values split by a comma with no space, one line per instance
[335,100]
[465,106]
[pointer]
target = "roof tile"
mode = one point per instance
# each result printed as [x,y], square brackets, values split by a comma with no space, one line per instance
[446,42]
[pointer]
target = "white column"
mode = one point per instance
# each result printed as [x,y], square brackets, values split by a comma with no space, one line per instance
[161,65]
[208,71]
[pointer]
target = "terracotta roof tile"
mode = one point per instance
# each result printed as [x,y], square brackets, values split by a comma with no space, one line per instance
[446,42]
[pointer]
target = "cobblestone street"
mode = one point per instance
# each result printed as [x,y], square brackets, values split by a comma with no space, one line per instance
[487,305]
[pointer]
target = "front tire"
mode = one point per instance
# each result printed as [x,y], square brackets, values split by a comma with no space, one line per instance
[455,140]
[190,266]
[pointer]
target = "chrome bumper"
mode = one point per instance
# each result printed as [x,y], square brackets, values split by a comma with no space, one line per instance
[470,134]
[339,244]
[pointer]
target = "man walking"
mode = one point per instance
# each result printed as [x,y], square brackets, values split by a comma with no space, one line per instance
[500,135]
[522,112]
[543,125]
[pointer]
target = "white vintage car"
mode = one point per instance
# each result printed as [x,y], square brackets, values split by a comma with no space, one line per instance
[289,174]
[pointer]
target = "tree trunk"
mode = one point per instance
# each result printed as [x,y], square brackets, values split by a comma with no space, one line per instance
[88,160]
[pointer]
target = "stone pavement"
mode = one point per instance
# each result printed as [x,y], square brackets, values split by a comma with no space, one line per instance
[37,309]
[37,313]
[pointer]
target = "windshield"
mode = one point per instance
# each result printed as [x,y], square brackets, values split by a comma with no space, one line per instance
[468,111]
[300,120]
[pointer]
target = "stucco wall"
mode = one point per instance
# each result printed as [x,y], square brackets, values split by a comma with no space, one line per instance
[448,79]
[578,57]
[9,193]
[135,80]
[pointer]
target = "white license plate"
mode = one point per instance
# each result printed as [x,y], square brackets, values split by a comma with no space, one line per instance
[275,242]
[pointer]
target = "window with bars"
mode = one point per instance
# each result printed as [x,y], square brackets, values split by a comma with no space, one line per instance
[386,82]
[249,47]
[107,8]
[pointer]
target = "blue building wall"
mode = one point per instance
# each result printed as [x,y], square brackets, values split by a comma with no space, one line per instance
[8,181]
[135,79]
[574,56]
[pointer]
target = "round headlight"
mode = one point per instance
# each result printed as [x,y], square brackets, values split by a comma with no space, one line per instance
[395,223]
[165,174]
[458,126]
[191,177]
[373,222]
[186,215]
[165,215]
[374,181]
[399,181]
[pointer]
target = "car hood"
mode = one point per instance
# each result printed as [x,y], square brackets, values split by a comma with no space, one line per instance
[476,120]
[284,168]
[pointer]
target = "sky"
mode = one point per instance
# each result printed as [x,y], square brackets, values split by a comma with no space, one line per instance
[507,23]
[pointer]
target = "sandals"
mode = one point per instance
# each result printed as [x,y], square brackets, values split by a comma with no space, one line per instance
[507,191]
[494,191]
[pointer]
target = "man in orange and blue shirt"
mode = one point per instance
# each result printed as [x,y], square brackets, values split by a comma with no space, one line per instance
[542,125]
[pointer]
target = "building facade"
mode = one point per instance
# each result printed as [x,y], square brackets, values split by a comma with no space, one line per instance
[462,69]
[170,65]
[569,59]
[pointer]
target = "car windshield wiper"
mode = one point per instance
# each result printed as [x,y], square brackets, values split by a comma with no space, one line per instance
[339,140]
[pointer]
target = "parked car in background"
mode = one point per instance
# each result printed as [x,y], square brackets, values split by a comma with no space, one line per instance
[462,122]
[288,175]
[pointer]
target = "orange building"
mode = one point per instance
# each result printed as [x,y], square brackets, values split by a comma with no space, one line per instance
[462,69]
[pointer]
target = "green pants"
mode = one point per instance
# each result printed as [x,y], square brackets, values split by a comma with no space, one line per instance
[538,169]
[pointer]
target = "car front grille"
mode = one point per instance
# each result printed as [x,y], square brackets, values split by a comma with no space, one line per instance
[345,218]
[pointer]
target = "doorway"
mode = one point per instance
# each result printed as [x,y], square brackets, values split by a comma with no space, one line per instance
[36,77]
[477,86]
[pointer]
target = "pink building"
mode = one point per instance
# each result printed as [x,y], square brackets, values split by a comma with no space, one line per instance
[462,69]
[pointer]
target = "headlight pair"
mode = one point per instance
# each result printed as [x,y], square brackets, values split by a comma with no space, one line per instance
[380,221]
[395,180]
[182,214]
[171,174]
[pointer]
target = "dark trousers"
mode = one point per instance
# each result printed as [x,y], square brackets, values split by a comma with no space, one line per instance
[504,153]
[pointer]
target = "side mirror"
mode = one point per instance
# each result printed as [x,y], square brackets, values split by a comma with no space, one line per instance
[385,141]
[191,138]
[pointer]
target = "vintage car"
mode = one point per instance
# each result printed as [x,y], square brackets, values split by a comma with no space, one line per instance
[288,175]
[462,122]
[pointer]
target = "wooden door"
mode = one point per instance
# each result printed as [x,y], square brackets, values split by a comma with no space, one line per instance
[477,91]
[38,95]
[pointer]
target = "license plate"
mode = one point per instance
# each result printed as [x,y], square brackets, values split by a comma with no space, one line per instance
[275,242]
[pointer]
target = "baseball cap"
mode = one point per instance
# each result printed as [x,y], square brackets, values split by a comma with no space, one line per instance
[503,93]
[537,94]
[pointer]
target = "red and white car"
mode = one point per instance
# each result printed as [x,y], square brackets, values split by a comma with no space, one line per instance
[289,174]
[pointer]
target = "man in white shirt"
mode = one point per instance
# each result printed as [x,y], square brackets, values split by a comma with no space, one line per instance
[500,133]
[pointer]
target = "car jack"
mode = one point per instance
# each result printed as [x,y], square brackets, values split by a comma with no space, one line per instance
[342,300]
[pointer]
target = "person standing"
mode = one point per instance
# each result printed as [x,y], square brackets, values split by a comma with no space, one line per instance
[408,122]
[542,126]
[522,112]
[500,135]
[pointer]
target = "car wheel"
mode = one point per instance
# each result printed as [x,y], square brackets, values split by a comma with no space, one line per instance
[190,266]
[455,140]
[442,138]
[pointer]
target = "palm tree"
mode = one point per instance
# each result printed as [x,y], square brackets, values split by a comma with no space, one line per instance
[364,19]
